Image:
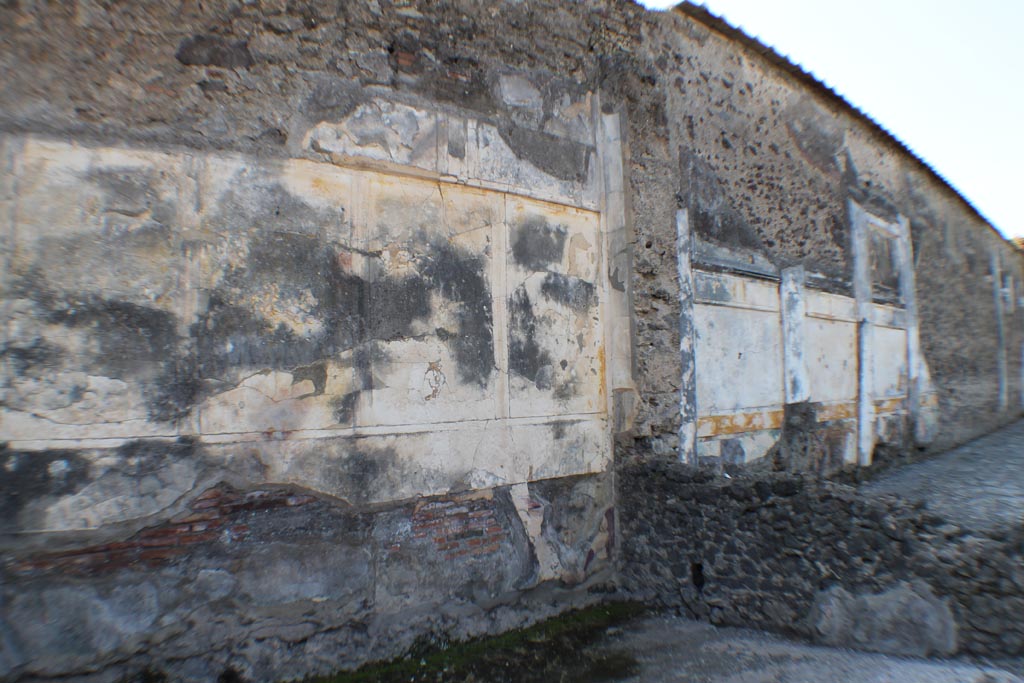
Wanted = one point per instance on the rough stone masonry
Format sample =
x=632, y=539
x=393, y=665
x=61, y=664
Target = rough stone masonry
x=324, y=323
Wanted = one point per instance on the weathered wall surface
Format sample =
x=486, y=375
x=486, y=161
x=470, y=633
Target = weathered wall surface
x=819, y=559
x=428, y=332
x=773, y=175
x=270, y=581
x=370, y=293
x=313, y=359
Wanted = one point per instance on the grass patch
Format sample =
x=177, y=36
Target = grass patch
x=551, y=651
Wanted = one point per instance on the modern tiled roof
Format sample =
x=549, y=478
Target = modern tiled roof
x=701, y=14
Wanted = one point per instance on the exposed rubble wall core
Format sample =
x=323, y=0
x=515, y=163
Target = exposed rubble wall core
x=325, y=322
x=820, y=559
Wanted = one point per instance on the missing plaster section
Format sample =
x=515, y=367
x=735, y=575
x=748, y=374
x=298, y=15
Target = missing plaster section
x=564, y=159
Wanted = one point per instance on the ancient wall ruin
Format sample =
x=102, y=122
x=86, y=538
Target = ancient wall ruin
x=324, y=322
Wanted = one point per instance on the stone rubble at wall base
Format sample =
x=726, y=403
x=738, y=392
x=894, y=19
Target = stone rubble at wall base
x=817, y=559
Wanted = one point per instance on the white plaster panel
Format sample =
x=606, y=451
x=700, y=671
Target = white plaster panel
x=739, y=359
x=305, y=304
x=889, y=316
x=447, y=458
x=890, y=366
x=93, y=290
x=732, y=290
x=556, y=347
x=270, y=356
x=446, y=369
x=831, y=359
x=831, y=306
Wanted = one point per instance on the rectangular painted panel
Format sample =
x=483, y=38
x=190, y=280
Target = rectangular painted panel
x=556, y=353
x=739, y=359
x=831, y=306
x=95, y=293
x=250, y=304
x=435, y=263
x=831, y=358
x=890, y=367
x=732, y=290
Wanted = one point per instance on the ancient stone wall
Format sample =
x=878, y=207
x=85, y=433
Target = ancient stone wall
x=314, y=356
x=369, y=293
x=820, y=560
x=778, y=176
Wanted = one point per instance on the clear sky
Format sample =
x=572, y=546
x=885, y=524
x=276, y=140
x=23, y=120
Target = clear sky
x=946, y=77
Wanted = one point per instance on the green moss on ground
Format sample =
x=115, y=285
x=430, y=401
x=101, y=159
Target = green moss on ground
x=553, y=650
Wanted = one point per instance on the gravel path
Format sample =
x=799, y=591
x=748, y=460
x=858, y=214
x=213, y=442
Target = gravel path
x=979, y=485
x=678, y=650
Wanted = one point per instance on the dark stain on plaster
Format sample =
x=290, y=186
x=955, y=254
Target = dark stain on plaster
x=526, y=357
x=536, y=244
x=577, y=294
x=207, y=50
x=559, y=430
x=298, y=275
x=733, y=452
x=129, y=342
x=566, y=389
x=344, y=407
x=129, y=335
x=712, y=288
x=461, y=277
x=394, y=303
x=31, y=359
x=456, y=141
x=345, y=310
x=31, y=475
x=132, y=193
x=558, y=157
x=254, y=203
x=142, y=457
x=365, y=471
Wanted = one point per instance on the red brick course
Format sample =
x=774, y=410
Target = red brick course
x=214, y=514
x=459, y=527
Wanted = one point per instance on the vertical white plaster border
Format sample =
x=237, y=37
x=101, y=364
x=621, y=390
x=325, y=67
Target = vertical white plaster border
x=916, y=372
x=687, y=348
x=499, y=307
x=190, y=217
x=1001, y=364
x=10, y=158
x=793, y=308
x=617, y=268
x=861, y=240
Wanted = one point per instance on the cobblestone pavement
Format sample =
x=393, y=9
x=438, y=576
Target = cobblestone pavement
x=979, y=485
x=676, y=650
